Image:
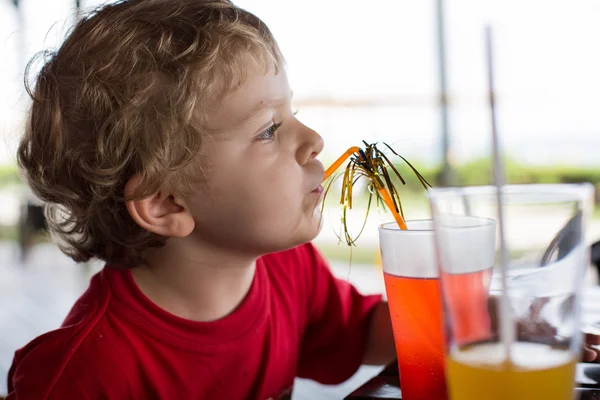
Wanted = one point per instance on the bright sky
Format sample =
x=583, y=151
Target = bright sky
x=546, y=62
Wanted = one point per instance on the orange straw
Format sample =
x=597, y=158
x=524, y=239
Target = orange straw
x=340, y=160
x=388, y=201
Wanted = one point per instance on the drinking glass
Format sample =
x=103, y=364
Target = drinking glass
x=413, y=290
x=531, y=340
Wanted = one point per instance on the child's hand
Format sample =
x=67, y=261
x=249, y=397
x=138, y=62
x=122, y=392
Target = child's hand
x=591, y=350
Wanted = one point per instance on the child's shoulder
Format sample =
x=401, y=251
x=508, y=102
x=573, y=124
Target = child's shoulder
x=41, y=368
x=40, y=365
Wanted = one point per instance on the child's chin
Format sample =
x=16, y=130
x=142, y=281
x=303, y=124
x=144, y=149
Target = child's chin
x=313, y=235
x=319, y=228
x=306, y=235
x=309, y=237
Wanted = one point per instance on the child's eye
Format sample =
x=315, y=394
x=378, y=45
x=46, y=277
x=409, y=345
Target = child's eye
x=269, y=133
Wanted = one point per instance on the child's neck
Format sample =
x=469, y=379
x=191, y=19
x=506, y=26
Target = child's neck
x=195, y=283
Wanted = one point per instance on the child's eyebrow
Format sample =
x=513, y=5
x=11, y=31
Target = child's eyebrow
x=271, y=103
x=263, y=105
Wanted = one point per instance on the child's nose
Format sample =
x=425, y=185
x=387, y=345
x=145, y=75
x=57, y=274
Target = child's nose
x=311, y=144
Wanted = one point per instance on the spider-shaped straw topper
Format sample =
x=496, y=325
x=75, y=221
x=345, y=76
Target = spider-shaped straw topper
x=373, y=164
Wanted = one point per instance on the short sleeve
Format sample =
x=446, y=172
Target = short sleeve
x=334, y=341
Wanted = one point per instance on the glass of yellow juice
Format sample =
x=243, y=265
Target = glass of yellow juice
x=529, y=344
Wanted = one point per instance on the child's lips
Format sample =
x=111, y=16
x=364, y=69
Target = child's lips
x=318, y=190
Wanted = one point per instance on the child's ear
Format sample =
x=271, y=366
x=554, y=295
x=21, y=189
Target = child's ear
x=161, y=213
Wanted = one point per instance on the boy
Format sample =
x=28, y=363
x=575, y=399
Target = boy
x=162, y=138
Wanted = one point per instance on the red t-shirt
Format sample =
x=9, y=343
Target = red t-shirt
x=296, y=320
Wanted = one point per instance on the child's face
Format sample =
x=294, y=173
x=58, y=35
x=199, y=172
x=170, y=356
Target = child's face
x=263, y=178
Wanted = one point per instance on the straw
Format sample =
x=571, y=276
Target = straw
x=374, y=176
x=388, y=201
x=339, y=161
x=506, y=331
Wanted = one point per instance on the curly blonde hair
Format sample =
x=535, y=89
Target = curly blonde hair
x=124, y=95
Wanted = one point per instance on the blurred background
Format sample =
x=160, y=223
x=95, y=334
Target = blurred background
x=405, y=72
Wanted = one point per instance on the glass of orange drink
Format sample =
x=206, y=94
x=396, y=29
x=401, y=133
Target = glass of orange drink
x=530, y=343
x=412, y=283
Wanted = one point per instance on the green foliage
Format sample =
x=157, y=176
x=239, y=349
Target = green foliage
x=9, y=175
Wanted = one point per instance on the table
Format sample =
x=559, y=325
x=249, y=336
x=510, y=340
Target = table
x=386, y=385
